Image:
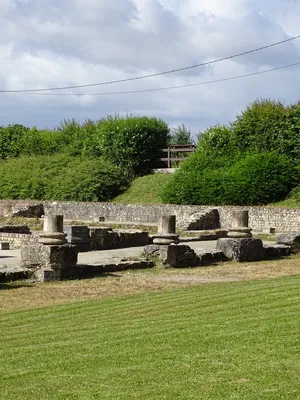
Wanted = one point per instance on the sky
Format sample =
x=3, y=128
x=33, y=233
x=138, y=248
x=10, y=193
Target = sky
x=57, y=43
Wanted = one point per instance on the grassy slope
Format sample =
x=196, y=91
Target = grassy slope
x=146, y=189
x=219, y=341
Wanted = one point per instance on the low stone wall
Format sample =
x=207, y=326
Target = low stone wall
x=16, y=240
x=260, y=218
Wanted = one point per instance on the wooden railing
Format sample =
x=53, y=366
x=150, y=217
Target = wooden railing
x=176, y=150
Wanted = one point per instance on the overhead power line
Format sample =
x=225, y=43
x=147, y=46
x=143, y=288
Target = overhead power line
x=169, y=87
x=155, y=74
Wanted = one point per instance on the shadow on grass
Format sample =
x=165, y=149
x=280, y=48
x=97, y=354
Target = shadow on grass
x=14, y=285
x=92, y=274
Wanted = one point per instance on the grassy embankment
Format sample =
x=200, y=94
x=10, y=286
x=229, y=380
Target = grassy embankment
x=148, y=189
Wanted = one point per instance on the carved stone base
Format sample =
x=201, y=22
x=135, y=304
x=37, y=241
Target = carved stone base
x=243, y=232
x=166, y=239
x=52, y=238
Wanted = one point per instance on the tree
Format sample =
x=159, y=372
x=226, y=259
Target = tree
x=181, y=135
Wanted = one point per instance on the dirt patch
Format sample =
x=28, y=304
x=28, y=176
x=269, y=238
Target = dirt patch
x=21, y=295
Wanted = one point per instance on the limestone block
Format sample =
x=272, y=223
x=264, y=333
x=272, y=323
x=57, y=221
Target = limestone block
x=54, y=257
x=276, y=251
x=241, y=250
x=103, y=238
x=47, y=275
x=178, y=256
x=291, y=239
x=152, y=250
x=132, y=238
x=79, y=235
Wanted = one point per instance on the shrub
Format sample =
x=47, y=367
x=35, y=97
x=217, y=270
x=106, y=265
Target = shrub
x=260, y=127
x=11, y=140
x=60, y=177
x=88, y=180
x=255, y=179
x=290, y=139
x=217, y=141
x=261, y=179
x=133, y=142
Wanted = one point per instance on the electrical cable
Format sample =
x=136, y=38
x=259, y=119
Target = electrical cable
x=166, y=88
x=154, y=74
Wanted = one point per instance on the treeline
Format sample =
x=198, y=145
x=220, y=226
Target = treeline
x=251, y=161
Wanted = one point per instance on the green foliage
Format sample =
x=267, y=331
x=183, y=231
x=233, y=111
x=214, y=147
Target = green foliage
x=255, y=179
x=261, y=179
x=264, y=126
x=133, y=142
x=181, y=135
x=11, y=140
x=217, y=141
x=260, y=127
x=290, y=135
x=60, y=177
x=88, y=180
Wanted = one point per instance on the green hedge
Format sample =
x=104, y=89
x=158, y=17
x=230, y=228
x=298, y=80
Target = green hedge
x=253, y=180
x=60, y=177
x=133, y=142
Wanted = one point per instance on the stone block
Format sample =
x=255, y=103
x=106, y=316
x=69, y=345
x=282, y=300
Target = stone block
x=79, y=235
x=276, y=251
x=291, y=239
x=133, y=238
x=152, y=250
x=4, y=246
x=178, y=256
x=47, y=275
x=54, y=257
x=241, y=250
x=103, y=238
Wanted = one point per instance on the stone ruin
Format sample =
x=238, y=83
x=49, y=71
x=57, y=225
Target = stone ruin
x=239, y=245
x=54, y=256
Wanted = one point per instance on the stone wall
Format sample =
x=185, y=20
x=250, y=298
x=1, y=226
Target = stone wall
x=260, y=218
x=21, y=208
x=17, y=239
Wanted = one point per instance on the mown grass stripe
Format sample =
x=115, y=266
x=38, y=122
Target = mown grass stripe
x=221, y=341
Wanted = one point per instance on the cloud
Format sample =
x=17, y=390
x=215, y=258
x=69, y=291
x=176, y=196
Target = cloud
x=65, y=43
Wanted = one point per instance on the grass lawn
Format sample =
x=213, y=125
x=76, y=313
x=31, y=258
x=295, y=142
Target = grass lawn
x=236, y=340
x=146, y=189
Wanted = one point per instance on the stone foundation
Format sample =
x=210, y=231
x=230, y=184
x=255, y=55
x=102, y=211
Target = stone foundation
x=49, y=262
